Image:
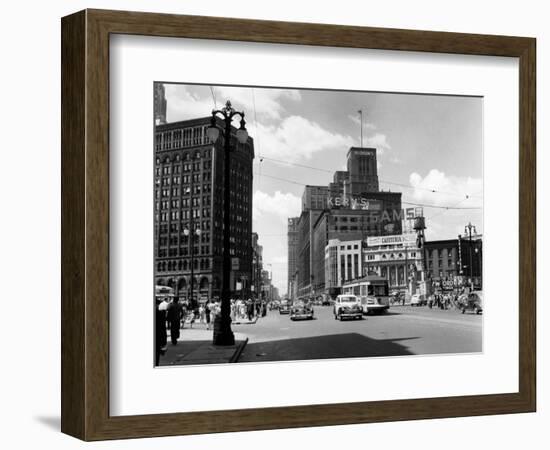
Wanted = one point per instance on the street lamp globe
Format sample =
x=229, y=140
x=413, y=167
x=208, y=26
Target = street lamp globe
x=242, y=134
x=186, y=231
x=212, y=131
x=198, y=231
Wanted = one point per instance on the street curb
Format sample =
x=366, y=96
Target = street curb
x=239, y=351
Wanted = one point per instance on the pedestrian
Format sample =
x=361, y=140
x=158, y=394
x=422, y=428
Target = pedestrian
x=173, y=316
x=249, y=310
x=191, y=316
x=202, y=314
x=207, y=312
x=214, y=311
x=242, y=310
x=233, y=310
x=160, y=330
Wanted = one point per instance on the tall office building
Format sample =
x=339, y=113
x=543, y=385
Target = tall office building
x=350, y=208
x=292, y=238
x=160, y=104
x=189, y=185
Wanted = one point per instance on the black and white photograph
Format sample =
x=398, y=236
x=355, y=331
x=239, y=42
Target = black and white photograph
x=299, y=224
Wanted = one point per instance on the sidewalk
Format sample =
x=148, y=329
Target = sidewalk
x=244, y=321
x=195, y=347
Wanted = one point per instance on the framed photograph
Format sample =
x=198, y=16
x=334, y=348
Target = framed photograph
x=273, y=225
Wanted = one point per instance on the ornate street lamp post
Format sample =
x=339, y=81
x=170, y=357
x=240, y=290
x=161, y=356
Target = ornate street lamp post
x=468, y=231
x=222, y=331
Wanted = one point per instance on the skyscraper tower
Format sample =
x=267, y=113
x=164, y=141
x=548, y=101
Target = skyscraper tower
x=160, y=104
x=362, y=170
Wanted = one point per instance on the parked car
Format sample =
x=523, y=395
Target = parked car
x=418, y=300
x=347, y=306
x=372, y=305
x=471, y=302
x=301, y=310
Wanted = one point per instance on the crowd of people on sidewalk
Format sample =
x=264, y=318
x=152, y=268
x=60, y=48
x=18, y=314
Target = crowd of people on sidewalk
x=173, y=315
x=442, y=301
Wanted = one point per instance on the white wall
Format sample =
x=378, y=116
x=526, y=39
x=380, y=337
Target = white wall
x=30, y=231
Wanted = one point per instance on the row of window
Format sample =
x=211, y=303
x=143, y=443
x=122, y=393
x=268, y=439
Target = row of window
x=177, y=226
x=183, y=265
x=186, y=190
x=183, y=215
x=185, y=203
x=183, y=251
x=185, y=167
x=185, y=137
x=372, y=257
x=185, y=179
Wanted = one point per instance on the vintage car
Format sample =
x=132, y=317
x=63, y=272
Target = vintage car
x=284, y=308
x=418, y=300
x=347, y=306
x=374, y=305
x=301, y=310
x=471, y=302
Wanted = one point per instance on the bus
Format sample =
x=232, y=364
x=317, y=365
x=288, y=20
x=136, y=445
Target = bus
x=373, y=292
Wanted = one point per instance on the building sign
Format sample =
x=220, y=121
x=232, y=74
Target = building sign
x=403, y=239
x=354, y=203
x=375, y=208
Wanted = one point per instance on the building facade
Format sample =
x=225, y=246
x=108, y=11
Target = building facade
x=189, y=185
x=396, y=258
x=292, y=242
x=257, y=266
x=350, y=208
x=343, y=262
x=160, y=104
x=455, y=262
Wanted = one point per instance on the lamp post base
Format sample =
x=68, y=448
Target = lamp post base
x=222, y=332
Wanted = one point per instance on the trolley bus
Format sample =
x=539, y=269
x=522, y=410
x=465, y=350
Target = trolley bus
x=373, y=292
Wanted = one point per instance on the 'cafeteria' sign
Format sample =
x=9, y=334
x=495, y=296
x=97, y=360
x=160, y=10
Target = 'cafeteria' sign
x=389, y=240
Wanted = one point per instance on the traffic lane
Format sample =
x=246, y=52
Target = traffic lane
x=400, y=332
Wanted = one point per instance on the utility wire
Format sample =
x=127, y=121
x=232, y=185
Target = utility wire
x=433, y=191
x=425, y=205
x=213, y=97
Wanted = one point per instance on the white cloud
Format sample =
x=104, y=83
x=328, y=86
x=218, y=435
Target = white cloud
x=183, y=105
x=267, y=101
x=378, y=141
x=280, y=205
x=355, y=118
x=439, y=189
x=296, y=138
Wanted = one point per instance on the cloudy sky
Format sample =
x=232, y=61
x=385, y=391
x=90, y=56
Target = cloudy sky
x=429, y=148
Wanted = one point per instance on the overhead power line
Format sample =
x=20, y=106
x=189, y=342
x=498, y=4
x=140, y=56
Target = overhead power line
x=394, y=183
x=425, y=205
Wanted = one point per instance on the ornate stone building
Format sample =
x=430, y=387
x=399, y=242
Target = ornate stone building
x=189, y=183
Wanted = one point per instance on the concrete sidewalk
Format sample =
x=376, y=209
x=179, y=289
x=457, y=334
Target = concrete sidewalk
x=244, y=321
x=195, y=347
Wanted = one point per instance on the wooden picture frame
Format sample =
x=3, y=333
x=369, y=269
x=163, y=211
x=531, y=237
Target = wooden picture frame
x=85, y=224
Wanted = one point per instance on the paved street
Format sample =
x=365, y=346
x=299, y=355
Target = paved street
x=403, y=330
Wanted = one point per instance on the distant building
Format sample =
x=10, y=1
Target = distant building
x=343, y=262
x=160, y=104
x=455, y=261
x=257, y=265
x=314, y=197
x=292, y=242
x=350, y=208
x=395, y=258
x=189, y=185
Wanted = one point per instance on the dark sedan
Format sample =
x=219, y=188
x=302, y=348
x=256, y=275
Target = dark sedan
x=301, y=310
